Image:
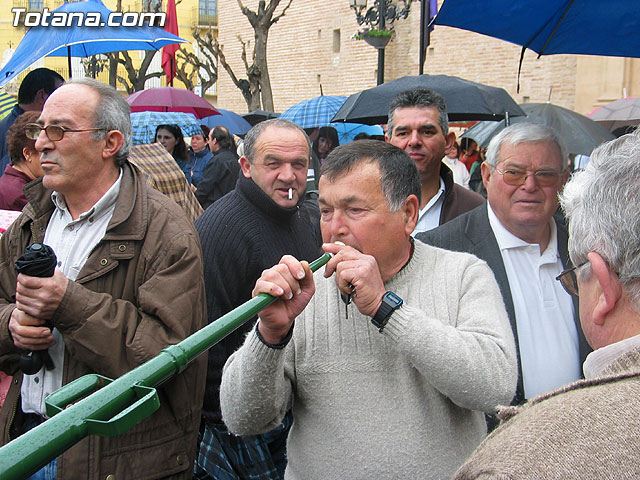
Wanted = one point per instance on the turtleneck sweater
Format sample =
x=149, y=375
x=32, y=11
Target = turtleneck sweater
x=242, y=234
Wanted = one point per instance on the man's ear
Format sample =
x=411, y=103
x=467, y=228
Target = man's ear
x=610, y=290
x=485, y=170
x=449, y=140
x=245, y=166
x=113, y=142
x=410, y=210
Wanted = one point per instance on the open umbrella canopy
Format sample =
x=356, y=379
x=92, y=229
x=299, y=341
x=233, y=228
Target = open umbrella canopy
x=170, y=99
x=619, y=114
x=231, y=120
x=315, y=112
x=580, y=133
x=82, y=41
x=592, y=27
x=348, y=131
x=257, y=116
x=144, y=124
x=465, y=100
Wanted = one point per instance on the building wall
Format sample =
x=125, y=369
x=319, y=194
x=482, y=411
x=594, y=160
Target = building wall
x=301, y=57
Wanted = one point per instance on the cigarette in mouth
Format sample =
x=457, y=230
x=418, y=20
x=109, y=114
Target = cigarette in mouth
x=291, y=194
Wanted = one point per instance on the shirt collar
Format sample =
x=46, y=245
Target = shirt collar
x=101, y=207
x=601, y=358
x=433, y=200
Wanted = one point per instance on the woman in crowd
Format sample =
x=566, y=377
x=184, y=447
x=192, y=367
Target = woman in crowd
x=171, y=138
x=327, y=141
x=24, y=166
x=199, y=156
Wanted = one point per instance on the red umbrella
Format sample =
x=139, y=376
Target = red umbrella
x=170, y=99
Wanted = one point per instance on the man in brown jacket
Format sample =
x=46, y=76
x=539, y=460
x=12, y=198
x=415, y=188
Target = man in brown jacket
x=128, y=283
x=418, y=124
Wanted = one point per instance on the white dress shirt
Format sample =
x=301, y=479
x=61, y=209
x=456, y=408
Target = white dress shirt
x=429, y=216
x=547, y=335
x=72, y=241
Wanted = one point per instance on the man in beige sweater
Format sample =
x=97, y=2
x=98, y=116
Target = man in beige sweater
x=392, y=382
x=588, y=429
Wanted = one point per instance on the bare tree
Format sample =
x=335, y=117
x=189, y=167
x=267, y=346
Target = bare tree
x=136, y=77
x=256, y=87
x=206, y=62
x=261, y=21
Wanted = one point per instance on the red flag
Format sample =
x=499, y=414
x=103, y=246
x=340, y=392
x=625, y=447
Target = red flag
x=169, y=52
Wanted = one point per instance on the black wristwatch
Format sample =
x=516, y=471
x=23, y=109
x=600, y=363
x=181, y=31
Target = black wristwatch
x=390, y=303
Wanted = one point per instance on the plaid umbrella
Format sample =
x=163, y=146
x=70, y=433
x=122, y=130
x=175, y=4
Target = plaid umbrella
x=316, y=112
x=144, y=124
x=6, y=104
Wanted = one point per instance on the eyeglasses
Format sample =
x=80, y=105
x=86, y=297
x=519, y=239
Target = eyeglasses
x=54, y=133
x=569, y=280
x=543, y=178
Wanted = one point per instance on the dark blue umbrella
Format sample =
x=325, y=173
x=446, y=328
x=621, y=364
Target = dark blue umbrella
x=592, y=27
x=231, y=120
x=82, y=41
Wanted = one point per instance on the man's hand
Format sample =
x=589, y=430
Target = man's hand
x=40, y=296
x=356, y=274
x=29, y=333
x=292, y=282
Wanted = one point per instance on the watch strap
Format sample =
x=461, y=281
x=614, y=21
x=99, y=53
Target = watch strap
x=390, y=303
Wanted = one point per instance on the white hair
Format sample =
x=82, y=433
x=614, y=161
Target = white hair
x=600, y=203
x=525, y=133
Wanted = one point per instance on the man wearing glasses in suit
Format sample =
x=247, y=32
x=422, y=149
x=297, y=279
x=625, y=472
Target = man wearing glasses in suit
x=525, y=245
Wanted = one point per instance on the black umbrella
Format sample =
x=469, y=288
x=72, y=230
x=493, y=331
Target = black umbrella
x=580, y=133
x=465, y=100
x=258, y=116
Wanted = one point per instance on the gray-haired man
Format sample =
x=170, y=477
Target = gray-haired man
x=590, y=428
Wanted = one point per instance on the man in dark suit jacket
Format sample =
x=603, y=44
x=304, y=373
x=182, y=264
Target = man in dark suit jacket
x=525, y=170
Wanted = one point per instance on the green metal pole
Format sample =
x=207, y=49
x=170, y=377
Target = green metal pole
x=112, y=407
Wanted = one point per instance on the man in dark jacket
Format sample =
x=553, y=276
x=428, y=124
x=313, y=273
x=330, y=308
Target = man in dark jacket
x=128, y=283
x=33, y=91
x=419, y=125
x=242, y=234
x=221, y=173
x=516, y=233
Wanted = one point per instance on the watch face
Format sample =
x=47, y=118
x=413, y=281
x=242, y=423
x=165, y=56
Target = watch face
x=393, y=298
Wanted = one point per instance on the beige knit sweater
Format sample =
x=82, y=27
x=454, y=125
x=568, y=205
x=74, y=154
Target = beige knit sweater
x=405, y=403
x=587, y=430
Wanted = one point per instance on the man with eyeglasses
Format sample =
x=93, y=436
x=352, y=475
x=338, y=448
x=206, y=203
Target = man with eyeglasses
x=590, y=428
x=128, y=283
x=516, y=233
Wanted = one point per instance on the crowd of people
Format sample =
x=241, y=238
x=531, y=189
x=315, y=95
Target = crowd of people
x=443, y=315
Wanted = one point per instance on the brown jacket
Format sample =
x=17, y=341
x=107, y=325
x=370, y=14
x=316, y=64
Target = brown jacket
x=140, y=290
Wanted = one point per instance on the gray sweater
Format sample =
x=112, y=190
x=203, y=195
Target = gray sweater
x=406, y=403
